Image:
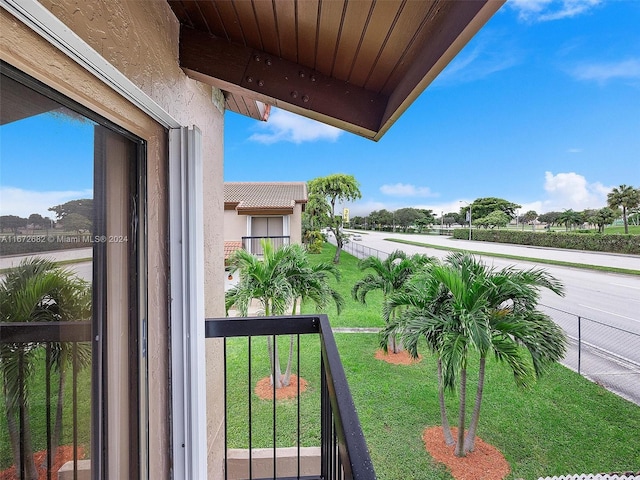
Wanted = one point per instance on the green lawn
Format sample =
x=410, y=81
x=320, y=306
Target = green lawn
x=37, y=409
x=563, y=425
x=633, y=230
x=353, y=315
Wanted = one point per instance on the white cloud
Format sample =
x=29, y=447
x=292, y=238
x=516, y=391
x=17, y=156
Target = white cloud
x=572, y=191
x=574, y=150
x=562, y=191
x=491, y=53
x=364, y=208
x=16, y=201
x=603, y=72
x=547, y=10
x=284, y=126
x=406, y=190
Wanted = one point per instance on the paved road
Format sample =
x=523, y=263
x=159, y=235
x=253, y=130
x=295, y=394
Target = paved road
x=58, y=256
x=605, y=306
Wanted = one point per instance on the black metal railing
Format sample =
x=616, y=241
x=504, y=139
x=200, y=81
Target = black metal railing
x=343, y=450
x=33, y=355
x=253, y=244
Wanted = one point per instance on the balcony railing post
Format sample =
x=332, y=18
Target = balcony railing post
x=48, y=407
x=325, y=427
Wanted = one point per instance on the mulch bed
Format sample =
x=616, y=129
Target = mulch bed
x=264, y=389
x=401, y=358
x=64, y=455
x=484, y=463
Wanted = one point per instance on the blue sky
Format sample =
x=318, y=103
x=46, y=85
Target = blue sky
x=541, y=108
x=47, y=160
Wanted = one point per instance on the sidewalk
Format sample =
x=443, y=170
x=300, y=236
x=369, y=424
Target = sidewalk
x=57, y=256
x=604, y=259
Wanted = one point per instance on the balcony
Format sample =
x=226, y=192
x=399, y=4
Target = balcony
x=44, y=410
x=318, y=437
x=342, y=452
x=252, y=244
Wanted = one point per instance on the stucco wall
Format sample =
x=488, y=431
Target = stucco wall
x=296, y=224
x=235, y=226
x=140, y=38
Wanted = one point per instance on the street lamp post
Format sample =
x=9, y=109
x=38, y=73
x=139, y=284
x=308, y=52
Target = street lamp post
x=461, y=201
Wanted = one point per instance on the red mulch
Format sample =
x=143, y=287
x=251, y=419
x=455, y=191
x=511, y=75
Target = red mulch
x=264, y=390
x=484, y=463
x=64, y=455
x=401, y=358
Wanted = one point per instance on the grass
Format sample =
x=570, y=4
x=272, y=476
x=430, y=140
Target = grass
x=37, y=409
x=619, y=230
x=600, y=268
x=353, y=314
x=286, y=410
x=563, y=425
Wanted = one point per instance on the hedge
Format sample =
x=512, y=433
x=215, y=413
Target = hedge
x=11, y=245
x=594, y=242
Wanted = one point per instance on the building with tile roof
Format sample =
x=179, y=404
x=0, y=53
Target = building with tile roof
x=257, y=210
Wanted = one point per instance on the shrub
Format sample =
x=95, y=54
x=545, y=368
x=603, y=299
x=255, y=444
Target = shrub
x=576, y=241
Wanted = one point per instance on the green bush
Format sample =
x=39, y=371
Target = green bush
x=314, y=241
x=575, y=241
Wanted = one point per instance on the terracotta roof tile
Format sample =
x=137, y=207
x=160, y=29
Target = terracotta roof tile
x=230, y=247
x=265, y=194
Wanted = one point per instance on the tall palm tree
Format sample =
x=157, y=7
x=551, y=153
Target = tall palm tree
x=310, y=282
x=36, y=291
x=263, y=279
x=626, y=197
x=460, y=307
x=73, y=303
x=278, y=280
x=388, y=275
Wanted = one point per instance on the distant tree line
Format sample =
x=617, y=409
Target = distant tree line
x=401, y=220
x=75, y=215
x=491, y=212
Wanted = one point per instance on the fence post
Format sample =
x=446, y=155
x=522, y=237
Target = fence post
x=579, y=342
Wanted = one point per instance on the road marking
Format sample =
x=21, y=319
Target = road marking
x=628, y=286
x=609, y=313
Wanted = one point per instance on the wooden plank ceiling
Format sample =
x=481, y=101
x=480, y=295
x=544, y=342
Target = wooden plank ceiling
x=354, y=64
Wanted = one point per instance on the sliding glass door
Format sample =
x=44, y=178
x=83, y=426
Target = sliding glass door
x=72, y=289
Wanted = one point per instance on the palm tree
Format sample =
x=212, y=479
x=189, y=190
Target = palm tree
x=310, y=282
x=277, y=280
x=569, y=218
x=263, y=279
x=36, y=291
x=74, y=303
x=626, y=197
x=460, y=307
x=388, y=275
x=422, y=301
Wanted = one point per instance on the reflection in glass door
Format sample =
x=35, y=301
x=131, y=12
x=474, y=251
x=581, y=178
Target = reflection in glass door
x=70, y=308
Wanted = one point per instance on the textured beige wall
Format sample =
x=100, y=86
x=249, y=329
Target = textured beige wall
x=235, y=226
x=140, y=38
x=296, y=224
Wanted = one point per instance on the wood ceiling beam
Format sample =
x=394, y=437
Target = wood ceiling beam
x=258, y=75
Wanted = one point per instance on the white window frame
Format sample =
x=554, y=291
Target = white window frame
x=186, y=239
